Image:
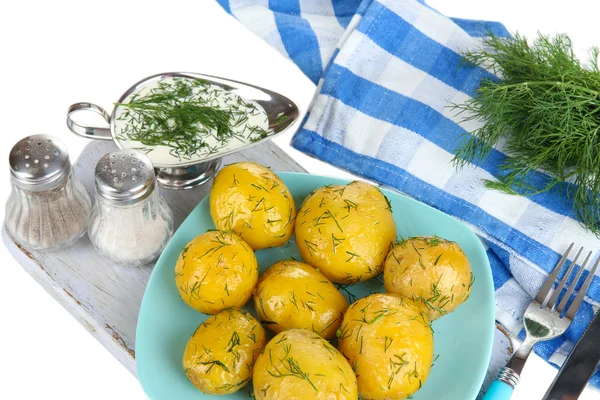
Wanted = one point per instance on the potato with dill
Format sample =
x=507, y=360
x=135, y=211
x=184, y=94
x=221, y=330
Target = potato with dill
x=292, y=294
x=299, y=364
x=389, y=343
x=220, y=355
x=346, y=231
x=432, y=271
x=252, y=201
x=215, y=271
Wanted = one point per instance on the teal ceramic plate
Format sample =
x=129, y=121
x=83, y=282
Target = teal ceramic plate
x=463, y=339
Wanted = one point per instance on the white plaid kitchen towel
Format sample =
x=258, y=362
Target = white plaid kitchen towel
x=386, y=73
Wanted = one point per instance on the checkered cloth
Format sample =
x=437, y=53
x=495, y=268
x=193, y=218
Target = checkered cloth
x=386, y=72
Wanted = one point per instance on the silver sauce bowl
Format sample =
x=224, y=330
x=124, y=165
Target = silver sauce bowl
x=184, y=174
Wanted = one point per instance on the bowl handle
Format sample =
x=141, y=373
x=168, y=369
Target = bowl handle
x=94, y=132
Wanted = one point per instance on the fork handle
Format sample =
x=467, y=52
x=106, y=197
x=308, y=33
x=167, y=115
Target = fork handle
x=498, y=390
x=502, y=388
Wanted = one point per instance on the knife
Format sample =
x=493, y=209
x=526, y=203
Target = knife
x=579, y=366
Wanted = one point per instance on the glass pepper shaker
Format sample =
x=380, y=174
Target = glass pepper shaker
x=48, y=208
x=130, y=222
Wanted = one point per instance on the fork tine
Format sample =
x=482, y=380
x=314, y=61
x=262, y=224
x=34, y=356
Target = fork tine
x=543, y=293
x=577, y=302
x=563, y=281
x=567, y=295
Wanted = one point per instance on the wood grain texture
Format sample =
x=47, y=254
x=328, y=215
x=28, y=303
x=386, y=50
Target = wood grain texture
x=103, y=297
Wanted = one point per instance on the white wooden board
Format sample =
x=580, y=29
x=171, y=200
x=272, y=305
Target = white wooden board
x=103, y=297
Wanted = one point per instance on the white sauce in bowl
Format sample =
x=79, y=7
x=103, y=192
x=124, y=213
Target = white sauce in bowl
x=249, y=124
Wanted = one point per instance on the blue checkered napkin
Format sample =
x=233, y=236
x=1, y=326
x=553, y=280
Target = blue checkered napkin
x=386, y=72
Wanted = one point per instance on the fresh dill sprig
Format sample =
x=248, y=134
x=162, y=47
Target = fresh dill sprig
x=546, y=111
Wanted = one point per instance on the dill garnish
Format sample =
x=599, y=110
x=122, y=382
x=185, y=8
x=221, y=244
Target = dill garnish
x=396, y=364
x=343, y=332
x=393, y=254
x=546, y=111
x=336, y=242
x=472, y=281
x=352, y=256
x=329, y=325
x=219, y=246
x=415, y=247
x=326, y=215
x=289, y=367
x=229, y=386
x=233, y=342
x=388, y=343
x=312, y=247
x=294, y=301
x=212, y=363
x=344, y=289
x=350, y=205
x=433, y=241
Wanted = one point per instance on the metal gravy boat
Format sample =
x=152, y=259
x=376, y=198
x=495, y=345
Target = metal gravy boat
x=185, y=174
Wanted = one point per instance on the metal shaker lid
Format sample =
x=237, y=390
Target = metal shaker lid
x=124, y=176
x=39, y=162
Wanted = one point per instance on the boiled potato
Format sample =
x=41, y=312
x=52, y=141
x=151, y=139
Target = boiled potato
x=346, y=231
x=292, y=294
x=299, y=364
x=253, y=202
x=432, y=271
x=389, y=343
x=220, y=355
x=215, y=271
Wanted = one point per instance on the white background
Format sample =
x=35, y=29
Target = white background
x=54, y=53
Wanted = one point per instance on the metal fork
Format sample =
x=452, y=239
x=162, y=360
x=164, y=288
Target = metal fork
x=543, y=321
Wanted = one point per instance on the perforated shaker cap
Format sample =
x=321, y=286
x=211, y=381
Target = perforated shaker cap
x=125, y=176
x=39, y=162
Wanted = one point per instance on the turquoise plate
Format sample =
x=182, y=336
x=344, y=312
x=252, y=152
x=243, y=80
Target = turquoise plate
x=463, y=339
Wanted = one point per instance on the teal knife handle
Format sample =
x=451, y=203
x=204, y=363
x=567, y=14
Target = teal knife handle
x=502, y=388
x=498, y=390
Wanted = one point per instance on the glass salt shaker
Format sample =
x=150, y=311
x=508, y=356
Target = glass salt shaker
x=130, y=222
x=48, y=208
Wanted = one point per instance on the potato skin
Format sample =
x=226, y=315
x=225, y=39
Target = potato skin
x=346, y=231
x=292, y=294
x=215, y=271
x=299, y=364
x=254, y=202
x=432, y=271
x=220, y=355
x=389, y=344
